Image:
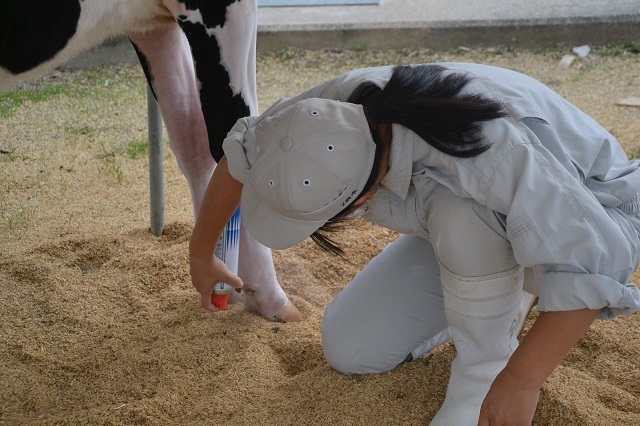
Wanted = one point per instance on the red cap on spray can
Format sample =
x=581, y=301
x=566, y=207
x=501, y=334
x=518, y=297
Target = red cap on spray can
x=220, y=296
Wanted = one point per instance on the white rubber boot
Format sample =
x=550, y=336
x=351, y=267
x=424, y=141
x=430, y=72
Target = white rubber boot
x=527, y=302
x=484, y=314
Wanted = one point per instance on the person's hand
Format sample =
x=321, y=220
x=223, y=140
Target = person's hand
x=514, y=394
x=511, y=401
x=206, y=273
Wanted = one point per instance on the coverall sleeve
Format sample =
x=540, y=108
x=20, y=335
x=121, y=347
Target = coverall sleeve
x=555, y=225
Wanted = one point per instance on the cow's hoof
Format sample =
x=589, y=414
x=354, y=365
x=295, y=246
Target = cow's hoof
x=289, y=313
x=275, y=308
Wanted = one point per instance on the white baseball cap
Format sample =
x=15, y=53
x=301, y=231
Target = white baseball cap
x=312, y=160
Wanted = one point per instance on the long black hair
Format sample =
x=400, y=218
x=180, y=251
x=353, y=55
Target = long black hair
x=428, y=100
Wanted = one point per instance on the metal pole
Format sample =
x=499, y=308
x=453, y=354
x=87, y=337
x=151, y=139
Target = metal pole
x=156, y=166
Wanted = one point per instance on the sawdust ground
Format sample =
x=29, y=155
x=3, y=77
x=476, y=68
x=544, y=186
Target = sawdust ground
x=99, y=324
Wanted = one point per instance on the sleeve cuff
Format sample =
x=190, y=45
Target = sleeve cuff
x=566, y=291
x=233, y=147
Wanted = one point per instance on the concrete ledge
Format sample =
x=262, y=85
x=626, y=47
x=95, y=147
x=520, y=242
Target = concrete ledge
x=442, y=35
x=535, y=33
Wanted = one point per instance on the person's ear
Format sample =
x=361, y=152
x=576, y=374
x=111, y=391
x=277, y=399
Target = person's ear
x=364, y=199
x=370, y=196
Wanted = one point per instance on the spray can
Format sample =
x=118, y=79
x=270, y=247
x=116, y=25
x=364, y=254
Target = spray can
x=227, y=250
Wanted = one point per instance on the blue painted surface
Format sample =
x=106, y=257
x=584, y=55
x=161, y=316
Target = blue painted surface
x=313, y=3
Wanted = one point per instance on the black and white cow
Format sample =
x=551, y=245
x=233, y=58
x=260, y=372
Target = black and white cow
x=199, y=58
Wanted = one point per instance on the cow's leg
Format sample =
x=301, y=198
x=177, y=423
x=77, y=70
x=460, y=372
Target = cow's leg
x=224, y=75
x=222, y=36
x=166, y=59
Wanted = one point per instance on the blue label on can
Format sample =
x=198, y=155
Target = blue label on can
x=229, y=245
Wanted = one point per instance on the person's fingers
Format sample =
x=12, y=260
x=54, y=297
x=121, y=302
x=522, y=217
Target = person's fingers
x=205, y=302
x=233, y=280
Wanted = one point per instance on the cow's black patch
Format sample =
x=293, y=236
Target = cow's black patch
x=220, y=107
x=33, y=31
x=145, y=67
x=213, y=13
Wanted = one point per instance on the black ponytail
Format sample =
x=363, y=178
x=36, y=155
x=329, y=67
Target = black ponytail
x=427, y=100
